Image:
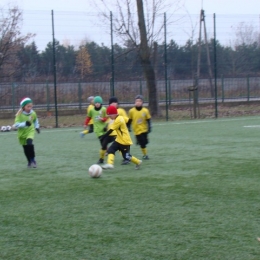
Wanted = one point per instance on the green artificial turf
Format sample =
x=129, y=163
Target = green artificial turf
x=198, y=197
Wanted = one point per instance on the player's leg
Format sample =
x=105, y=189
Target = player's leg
x=102, y=151
x=90, y=128
x=31, y=152
x=87, y=131
x=104, y=145
x=143, y=141
x=22, y=141
x=26, y=152
x=134, y=160
x=125, y=149
x=111, y=155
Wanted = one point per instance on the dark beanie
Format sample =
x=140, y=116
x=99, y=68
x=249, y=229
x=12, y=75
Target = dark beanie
x=112, y=100
x=139, y=97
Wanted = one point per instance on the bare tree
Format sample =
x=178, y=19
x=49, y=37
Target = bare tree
x=245, y=34
x=245, y=42
x=136, y=21
x=11, y=41
x=83, y=62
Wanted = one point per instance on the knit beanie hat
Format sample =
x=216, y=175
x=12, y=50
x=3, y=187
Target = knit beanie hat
x=98, y=99
x=139, y=97
x=111, y=110
x=90, y=98
x=25, y=101
x=112, y=100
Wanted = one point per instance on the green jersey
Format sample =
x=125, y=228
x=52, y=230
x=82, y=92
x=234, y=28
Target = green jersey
x=98, y=116
x=26, y=132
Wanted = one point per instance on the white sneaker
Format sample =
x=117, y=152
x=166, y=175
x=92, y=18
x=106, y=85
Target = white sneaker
x=108, y=166
x=137, y=166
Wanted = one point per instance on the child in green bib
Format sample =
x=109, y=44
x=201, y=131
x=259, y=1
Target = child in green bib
x=26, y=122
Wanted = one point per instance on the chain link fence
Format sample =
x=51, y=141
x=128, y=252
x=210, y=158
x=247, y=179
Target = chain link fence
x=76, y=28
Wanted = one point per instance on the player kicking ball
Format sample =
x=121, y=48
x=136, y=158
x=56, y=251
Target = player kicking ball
x=122, y=142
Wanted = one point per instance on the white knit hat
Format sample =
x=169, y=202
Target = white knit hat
x=25, y=101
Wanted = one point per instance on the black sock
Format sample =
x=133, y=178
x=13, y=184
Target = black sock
x=31, y=152
x=25, y=149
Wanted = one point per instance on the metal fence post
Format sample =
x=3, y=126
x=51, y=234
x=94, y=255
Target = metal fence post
x=141, y=88
x=112, y=82
x=47, y=96
x=169, y=92
x=222, y=88
x=79, y=95
x=13, y=96
x=248, y=88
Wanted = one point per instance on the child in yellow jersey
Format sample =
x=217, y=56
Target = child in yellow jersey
x=122, y=142
x=140, y=119
x=90, y=124
x=113, y=101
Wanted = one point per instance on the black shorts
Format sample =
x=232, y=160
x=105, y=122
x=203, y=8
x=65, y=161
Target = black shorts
x=124, y=149
x=107, y=140
x=142, y=139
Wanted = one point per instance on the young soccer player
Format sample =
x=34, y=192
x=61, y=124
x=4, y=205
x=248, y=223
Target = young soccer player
x=113, y=101
x=27, y=122
x=98, y=115
x=122, y=142
x=140, y=119
x=90, y=125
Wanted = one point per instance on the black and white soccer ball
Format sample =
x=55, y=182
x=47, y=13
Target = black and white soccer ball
x=8, y=128
x=3, y=128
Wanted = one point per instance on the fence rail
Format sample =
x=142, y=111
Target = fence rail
x=75, y=94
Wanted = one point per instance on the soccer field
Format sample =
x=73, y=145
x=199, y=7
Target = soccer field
x=198, y=197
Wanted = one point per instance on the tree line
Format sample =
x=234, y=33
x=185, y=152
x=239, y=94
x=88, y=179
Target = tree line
x=93, y=62
x=22, y=61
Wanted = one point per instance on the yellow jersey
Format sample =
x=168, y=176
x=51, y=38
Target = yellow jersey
x=122, y=135
x=121, y=112
x=88, y=109
x=139, y=120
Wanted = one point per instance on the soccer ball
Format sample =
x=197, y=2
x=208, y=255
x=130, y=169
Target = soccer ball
x=3, y=129
x=14, y=127
x=8, y=128
x=95, y=171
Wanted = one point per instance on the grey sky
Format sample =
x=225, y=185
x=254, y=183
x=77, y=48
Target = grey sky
x=211, y=6
x=76, y=20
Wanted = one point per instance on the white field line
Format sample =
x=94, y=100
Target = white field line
x=47, y=131
x=157, y=124
x=251, y=125
x=208, y=121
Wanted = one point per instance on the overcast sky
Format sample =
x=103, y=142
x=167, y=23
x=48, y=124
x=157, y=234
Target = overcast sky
x=76, y=20
x=211, y=6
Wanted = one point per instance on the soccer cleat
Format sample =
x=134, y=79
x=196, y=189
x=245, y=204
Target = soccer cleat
x=125, y=162
x=33, y=164
x=146, y=157
x=100, y=161
x=137, y=166
x=108, y=166
x=29, y=165
x=81, y=134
